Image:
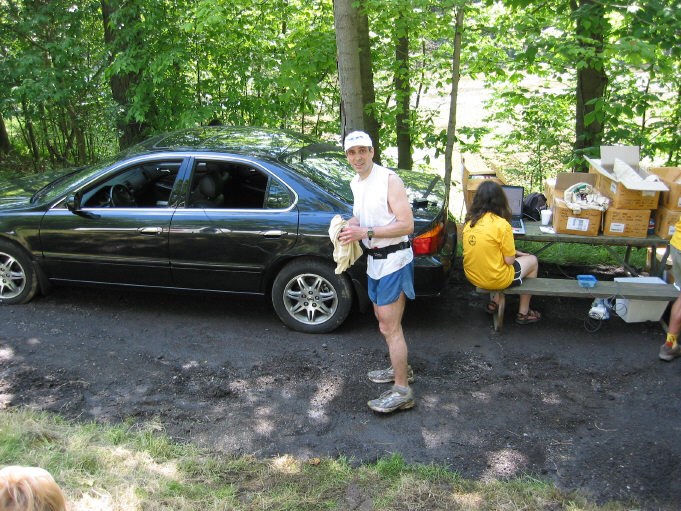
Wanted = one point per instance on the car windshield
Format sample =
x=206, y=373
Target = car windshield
x=71, y=179
x=327, y=169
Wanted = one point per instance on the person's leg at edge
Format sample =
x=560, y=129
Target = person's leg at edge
x=670, y=349
x=529, y=268
x=390, y=324
x=674, y=323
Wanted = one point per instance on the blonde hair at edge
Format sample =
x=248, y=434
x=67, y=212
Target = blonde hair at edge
x=29, y=489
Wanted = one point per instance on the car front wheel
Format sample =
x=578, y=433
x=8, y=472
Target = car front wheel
x=18, y=282
x=309, y=297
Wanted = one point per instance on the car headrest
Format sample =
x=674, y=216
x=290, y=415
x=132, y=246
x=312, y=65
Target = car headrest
x=210, y=186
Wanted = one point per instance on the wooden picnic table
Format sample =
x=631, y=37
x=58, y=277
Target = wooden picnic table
x=533, y=233
x=570, y=287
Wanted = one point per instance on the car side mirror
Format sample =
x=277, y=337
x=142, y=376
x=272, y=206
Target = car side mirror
x=73, y=202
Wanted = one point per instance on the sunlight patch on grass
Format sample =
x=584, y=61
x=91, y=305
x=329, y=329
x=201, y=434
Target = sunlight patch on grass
x=286, y=465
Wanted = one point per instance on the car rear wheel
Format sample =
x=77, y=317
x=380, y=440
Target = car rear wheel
x=309, y=297
x=18, y=282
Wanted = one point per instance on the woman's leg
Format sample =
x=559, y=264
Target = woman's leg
x=529, y=268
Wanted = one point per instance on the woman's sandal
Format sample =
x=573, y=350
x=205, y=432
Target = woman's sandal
x=531, y=316
x=492, y=307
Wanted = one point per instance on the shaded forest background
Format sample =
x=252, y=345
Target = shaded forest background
x=81, y=79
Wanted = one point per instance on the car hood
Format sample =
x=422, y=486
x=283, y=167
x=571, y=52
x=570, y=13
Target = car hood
x=18, y=190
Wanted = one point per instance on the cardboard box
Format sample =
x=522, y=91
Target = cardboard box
x=565, y=221
x=633, y=311
x=665, y=221
x=549, y=190
x=622, y=180
x=474, y=171
x=471, y=186
x=671, y=176
x=629, y=223
x=474, y=165
x=565, y=180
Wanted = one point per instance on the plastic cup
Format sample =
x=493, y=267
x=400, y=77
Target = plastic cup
x=546, y=216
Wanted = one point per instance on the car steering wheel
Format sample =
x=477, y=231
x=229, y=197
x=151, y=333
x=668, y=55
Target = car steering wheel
x=120, y=195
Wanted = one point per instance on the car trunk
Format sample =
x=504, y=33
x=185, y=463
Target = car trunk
x=426, y=193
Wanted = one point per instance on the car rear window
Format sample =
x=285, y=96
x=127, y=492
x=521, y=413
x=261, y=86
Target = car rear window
x=329, y=170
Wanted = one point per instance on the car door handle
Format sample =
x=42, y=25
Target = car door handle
x=150, y=230
x=274, y=234
x=214, y=230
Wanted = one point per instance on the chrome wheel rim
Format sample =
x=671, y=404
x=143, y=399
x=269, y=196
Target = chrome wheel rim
x=310, y=299
x=12, y=277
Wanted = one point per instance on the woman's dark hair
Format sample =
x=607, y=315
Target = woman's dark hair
x=488, y=198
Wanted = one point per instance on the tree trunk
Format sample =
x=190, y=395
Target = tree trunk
x=30, y=133
x=5, y=144
x=402, y=95
x=454, y=96
x=346, y=21
x=367, y=77
x=123, y=84
x=591, y=79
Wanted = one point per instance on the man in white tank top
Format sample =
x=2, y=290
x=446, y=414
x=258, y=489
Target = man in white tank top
x=383, y=220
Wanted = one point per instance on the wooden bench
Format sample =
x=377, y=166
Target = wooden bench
x=570, y=288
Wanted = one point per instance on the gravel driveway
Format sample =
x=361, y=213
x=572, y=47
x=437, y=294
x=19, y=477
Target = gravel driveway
x=595, y=412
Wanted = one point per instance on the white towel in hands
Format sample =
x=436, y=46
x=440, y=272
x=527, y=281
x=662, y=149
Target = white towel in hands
x=344, y=255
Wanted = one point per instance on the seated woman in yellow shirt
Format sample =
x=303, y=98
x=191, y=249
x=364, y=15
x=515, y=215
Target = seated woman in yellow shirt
x=490, y=259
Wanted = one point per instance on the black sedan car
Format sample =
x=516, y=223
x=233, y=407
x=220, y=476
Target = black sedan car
x=215, y=209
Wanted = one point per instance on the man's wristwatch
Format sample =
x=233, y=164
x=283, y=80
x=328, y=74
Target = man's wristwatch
x=370, y=232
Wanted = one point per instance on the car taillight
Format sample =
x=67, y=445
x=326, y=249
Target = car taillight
x=429, y=242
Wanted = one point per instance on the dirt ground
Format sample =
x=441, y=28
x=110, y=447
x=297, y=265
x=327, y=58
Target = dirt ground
x=591, y=411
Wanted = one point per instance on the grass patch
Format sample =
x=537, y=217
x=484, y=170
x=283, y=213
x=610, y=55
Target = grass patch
x=129, y=467
x=576, y=254
x=586, y=255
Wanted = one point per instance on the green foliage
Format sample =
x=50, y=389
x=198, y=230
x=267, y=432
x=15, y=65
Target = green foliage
x=180, y=63
x=537, y=142
x=644, y=104
x=50, y=80
x=632, y=44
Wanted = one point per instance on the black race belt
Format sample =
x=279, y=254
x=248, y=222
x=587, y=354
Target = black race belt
x=382, y=253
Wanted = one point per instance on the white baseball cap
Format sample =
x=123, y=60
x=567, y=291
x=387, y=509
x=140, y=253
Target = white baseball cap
x=357, y=138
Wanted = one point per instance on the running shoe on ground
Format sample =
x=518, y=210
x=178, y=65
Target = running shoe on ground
x=393, y=400
x=388, y=375
x=668, y=354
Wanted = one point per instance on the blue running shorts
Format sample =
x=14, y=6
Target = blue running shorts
x=386, y=290
x=517, y=272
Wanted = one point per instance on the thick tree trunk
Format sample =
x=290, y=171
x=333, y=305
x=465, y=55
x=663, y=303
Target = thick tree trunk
x=367, y=77
x=346, y=21
x=122, y=85
x=5, y=144
x=591, y=84
x=402, y=96
x=591, y=79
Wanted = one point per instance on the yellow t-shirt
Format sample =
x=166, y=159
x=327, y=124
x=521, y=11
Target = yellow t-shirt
x=484, y=247
x=676, y=237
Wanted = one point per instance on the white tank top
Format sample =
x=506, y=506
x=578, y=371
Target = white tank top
x=371, y=208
